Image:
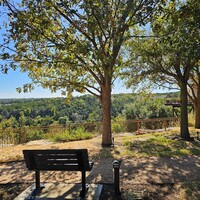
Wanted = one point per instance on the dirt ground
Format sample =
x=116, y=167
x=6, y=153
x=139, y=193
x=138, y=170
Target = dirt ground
x=145, y=178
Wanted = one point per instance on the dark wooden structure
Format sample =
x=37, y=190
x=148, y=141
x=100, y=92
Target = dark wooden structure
x=58, y=160
x=177, y=104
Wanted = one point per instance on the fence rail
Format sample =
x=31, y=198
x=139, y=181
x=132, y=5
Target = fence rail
x=13, y=136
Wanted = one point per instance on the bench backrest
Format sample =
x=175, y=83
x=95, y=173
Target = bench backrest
x=61, y=160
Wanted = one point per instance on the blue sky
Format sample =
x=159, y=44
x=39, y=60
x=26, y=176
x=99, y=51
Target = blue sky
x=9, y=82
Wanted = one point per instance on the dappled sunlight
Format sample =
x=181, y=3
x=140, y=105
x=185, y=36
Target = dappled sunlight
x=161, y=170
x=150, y=162
x=159, y=145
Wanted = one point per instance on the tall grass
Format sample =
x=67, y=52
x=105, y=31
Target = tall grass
x=73, y=135
x=35, y=135
x=191, y=119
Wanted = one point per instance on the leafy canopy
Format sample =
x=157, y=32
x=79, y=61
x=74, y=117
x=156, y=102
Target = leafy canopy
x=72, y=45
x=172, y=53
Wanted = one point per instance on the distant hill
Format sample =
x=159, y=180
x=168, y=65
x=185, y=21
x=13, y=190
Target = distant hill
x=45, y=111
x=20, y=100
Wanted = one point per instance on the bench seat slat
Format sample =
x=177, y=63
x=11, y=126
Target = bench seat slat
x=66, y=161
x=54, y=159
x=57, y=156
x=58, y=168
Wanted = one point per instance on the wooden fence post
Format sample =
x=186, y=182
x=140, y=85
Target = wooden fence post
x=23, y=135
x=138, y=127
x=165, y=124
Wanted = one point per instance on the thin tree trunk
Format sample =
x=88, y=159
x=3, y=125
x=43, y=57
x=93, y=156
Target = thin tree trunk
x=106, y=111
x=184, y=131
x=197, y=116
x=197, y=108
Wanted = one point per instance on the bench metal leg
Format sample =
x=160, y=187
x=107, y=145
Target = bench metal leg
x=37, y=179
x=83, y=191
x=37, y=189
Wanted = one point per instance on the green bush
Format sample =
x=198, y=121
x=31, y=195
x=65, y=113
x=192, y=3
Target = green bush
x=76, y=134
x=116, y=128
x=144, y=108
x=8, y=136
x=34, y=135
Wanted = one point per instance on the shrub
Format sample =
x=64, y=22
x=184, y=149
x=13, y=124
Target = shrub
x=191, y=119
x=34, y=135
x=76, y=134
x=117, y=128
x=8, y=136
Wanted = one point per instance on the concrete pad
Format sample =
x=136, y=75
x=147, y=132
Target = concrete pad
x=59, y=191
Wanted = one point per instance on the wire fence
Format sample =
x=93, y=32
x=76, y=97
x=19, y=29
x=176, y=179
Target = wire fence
x=13, y=136
x=147, y=124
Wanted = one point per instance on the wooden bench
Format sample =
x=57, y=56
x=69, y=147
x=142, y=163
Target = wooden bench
x=58, y=160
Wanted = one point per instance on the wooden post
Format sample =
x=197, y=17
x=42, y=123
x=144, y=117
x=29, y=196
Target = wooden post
x=173, y=112
x=24, y=135
x=138, y=127
x=165, y=124
x=69, y=127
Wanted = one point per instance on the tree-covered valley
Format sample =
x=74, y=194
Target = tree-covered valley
x=44, y=112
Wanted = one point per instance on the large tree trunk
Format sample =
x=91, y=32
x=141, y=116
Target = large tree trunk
x=106, y=112
x=184, y=131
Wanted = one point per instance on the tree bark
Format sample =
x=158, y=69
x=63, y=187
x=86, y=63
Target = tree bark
x=197, y=115
x=197, y=108
x=106, y=112
x=184, y=131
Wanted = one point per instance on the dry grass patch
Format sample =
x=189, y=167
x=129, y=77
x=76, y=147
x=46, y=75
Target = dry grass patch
x=160, y=144
x=126, y=144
